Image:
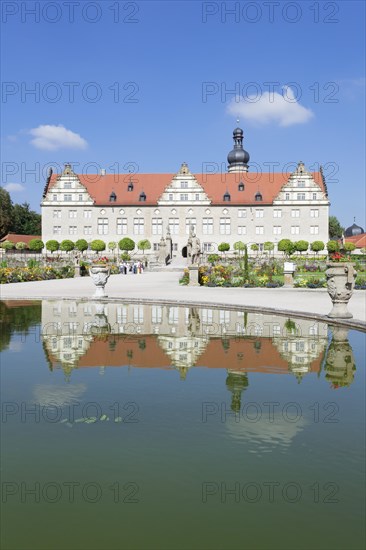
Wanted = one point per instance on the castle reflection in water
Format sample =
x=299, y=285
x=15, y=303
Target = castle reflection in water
x=91, y=334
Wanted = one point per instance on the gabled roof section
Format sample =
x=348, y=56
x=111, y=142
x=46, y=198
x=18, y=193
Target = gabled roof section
x=211, y=186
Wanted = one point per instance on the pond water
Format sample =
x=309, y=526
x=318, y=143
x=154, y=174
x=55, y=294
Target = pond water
x=158, y=427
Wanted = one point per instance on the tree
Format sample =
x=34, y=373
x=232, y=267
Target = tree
x=52, y=245
x=317, y=246
x=126, y=244
x=335, y=228
x=112, y=245
x=254, y=247
x=81, y=245
x=301, y=246
x=223, y=247
x=239, y=246
x=349, y=247
x=286, y=246
x=25, y=221
x=268, y=246
x=143, y=245
x=7, y=245
x=67, y=245
x=97, y=245
x=20, y=245
x=36, y=245
x=363, y=250
x=333, y=246
x=6, y=207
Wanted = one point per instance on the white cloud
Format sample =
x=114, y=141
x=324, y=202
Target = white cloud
x=282, y=109
x=14, y=187
x=52, y=138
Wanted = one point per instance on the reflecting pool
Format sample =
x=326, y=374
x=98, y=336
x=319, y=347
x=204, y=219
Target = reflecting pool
x=130, y=426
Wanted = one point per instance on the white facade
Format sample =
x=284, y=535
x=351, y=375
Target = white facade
x=299, y=209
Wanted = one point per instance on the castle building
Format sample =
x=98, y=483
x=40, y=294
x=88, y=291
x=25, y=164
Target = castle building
x=223, y=207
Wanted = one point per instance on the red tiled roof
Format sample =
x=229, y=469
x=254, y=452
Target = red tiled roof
x=215, y=185
x=358, y=240
x=15, y=238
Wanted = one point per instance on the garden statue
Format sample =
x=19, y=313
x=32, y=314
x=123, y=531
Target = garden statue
x=193, y=247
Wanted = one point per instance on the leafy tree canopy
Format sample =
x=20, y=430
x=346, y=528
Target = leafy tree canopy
x=335, y=228
x=126, y=244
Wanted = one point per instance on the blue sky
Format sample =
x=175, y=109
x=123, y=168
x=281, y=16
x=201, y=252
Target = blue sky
x=144, y=86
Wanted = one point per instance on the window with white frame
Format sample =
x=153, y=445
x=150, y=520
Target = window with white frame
x=184, y=184
x=207, y=247
x=54, y=197
x=156, y=314
x=277, y=213
x=300, y=184
x=184, y=196
x=277, y=230
x=138, y=226
x=121, y=315
x=67, y=198
x=242, y=229
x=197, y=196
x=87, y=229
x=155, y=247
x=72, y=229
x=138, y=314
x=121, y=226
x=259, y=213
x=157, y=226
x=295, y=213
x=72, y=213
x=259, y=230
x=173, y=316
x=174, y=226
x=57, y=229
x=80, y=197
x=87, y=214
x=287, y=196
x=67, y=185
x=224, y=317
x=314, y=213
x=207, y=226
x=57, y=213
x=314, y=196
x=170, y=196
x=102, y=226
x=242, y=213
x=189, y=222
x=225, y=226
x=314, y=230
x=295, y=230
x=300, y=196
x=207, y=316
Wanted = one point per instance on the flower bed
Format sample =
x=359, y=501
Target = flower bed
x=26, y=274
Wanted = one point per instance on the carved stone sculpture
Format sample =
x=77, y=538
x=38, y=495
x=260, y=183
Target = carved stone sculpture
x=340, y=284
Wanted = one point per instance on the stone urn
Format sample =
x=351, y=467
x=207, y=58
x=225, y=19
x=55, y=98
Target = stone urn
x=100, y=274
x=340, y=284
x=339, y=363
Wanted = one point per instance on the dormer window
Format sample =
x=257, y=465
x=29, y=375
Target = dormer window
x=112, y=197
x=142, y=197
x=227, y=197
x=130, y=186
x=241, y=186
x=258, y=197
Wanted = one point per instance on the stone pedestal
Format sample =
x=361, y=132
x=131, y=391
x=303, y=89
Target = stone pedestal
x=288, y=272
x=193, y=275
x=340, y=284
x=77, y=272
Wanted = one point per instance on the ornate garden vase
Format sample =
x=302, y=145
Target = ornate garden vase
x=340, y=284
x=100, y=274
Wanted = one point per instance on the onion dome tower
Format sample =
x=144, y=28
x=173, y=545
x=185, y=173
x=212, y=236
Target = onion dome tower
x=353, y=230
x=238, y=158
